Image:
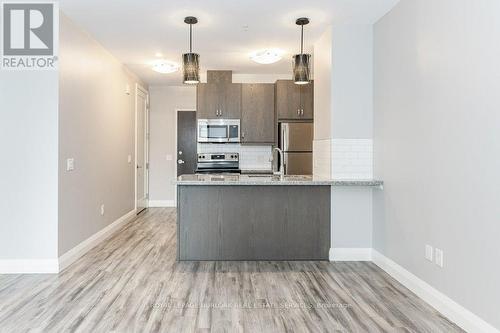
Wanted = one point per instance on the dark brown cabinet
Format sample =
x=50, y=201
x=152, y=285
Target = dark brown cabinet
x=307, y=101
x=207, y=103
x=257, y=113
x=294, y=101
x=218, y=100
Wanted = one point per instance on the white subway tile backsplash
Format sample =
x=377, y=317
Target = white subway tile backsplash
x=352, y=158
x=251, y=157
x=322, y=158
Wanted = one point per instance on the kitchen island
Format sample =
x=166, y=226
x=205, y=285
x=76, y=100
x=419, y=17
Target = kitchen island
x=255, y=217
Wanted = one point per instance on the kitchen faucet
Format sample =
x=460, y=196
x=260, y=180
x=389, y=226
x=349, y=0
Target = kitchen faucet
x=280, y=171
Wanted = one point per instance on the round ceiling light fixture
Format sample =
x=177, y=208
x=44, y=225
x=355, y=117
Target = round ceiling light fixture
x=165, y=67
x=191, y=61
x=301, y=62
x=267, y=56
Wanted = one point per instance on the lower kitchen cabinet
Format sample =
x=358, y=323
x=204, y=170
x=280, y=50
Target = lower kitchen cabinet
x=257, y=113
x=230, y=222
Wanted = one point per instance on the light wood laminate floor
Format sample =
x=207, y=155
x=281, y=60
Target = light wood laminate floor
x=132, y=283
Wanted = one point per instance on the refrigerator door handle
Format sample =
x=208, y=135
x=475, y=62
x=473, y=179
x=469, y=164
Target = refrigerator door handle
x=284, y=137
x=285, y=158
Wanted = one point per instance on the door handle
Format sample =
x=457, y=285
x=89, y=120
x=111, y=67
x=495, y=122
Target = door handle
x=180, y=161
x=139, y=167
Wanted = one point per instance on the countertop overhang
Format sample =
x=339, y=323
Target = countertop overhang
x=258, y=180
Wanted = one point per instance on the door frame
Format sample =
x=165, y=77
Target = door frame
x=140, y=88
x=176, y=148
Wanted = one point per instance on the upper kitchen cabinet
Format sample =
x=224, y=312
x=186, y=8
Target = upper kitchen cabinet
x=307, y=100
x=219, y=98
x=257, y=113
x=207, y=101
x=229, y=100
x=294, y=101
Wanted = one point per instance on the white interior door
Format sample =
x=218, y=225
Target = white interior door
x=142, y=135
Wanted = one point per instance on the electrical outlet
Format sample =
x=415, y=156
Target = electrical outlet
x=70, y=164
x=429, y=253
x=102, y=209
x=439, y=257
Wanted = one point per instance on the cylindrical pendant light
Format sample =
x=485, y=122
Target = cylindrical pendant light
x=301, y=62
x=191, y=61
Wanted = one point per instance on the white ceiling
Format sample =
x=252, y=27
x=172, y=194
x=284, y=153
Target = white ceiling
x=134, y=31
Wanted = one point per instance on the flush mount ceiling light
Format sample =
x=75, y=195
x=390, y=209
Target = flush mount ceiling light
x=191, y=61
x=165, y=67
x=301, y=62
x=267, y=56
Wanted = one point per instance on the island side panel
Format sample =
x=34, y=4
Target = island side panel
x=199, y=222
x=254, y=222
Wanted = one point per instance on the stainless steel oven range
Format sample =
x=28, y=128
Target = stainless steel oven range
x=218, y=163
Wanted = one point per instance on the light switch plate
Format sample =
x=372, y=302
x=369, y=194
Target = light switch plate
x=439, y=257
x=129, y=159
x=70, y=164
x=429, y=253
x=102, y=209
x=170, y=157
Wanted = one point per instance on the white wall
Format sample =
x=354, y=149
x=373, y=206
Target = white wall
x=164, y=100
x=437, y=145
x=352, y=81
x=322, y=104
x=97, y=120
x=28, y=199
x=343, y=100
x=343, y=129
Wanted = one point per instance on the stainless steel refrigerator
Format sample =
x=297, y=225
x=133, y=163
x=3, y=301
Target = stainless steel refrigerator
x=295, y=139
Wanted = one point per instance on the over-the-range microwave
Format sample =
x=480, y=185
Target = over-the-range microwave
x=218, y=130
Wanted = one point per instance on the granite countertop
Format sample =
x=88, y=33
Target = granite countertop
x=235, y=179
x=257, y=172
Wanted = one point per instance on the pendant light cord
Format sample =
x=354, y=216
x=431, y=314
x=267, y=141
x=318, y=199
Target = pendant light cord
x=301, y=39
x=190, y=38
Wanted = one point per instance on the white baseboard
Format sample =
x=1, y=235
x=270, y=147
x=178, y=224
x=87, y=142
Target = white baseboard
x=161, y=203
x=35, y=266
x=72, y=255
x=350, y=254
x=449, y=308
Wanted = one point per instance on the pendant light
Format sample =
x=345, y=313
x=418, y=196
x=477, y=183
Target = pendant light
x=191, y=61
x=301, y=62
